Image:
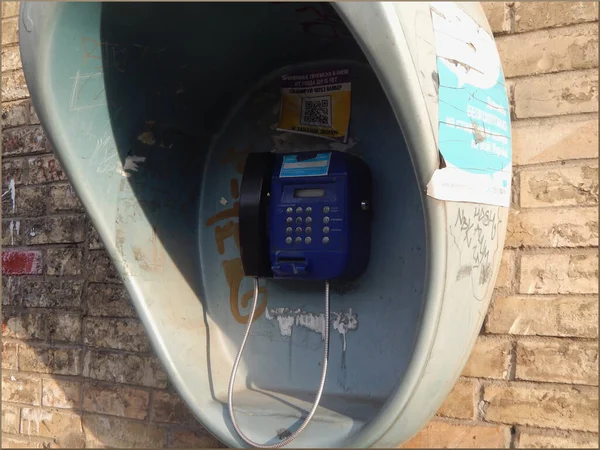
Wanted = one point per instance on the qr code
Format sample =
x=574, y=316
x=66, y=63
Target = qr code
x=316, y=111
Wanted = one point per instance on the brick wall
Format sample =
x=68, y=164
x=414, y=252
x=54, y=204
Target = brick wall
x=77, y=367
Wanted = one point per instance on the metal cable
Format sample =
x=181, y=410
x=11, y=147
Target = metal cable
x=239, y=357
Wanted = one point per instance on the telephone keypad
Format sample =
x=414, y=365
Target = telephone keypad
x=288, y=240
x=289, y=210
x=289, y=220
x=308, y=240
x=308, y=210
x=288, y=230
x=299, y=210
x=326, y=219
x=298, y=230
x=308, y=230
x=299, y=221
x=308, y=220
x=298, y=240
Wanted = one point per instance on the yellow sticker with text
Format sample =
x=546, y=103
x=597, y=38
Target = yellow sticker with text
x=316, y=103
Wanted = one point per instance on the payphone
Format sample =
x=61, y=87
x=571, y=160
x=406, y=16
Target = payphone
x=302, y=216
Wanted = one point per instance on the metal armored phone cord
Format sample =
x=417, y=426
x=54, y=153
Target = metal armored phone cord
x=239, y=357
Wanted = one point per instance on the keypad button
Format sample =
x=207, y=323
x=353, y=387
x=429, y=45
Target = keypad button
x=325, y=209
x=308, y=230
x=298, y=240
x=298, y=230
x=308, y=220
x=288, y=240
x=308, y=240
x=308, y=210
x=289, y=220
x=288, y=230
x=325, y=219
x=289, y=210
x=325, y=240
x=325, y=230
x=298, y=219
x=299, y=210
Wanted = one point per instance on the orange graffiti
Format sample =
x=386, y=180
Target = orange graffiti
x=234, y=273
x=228, y=230
x=233, y=269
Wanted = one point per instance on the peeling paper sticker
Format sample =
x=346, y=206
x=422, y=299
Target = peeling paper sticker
x=474, y=116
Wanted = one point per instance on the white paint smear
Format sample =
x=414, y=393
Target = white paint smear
x=287, y=319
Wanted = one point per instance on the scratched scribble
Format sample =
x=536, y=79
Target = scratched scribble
x=475, y=234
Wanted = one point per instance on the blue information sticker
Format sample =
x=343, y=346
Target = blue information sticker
x=474, y=115
x=297, y=166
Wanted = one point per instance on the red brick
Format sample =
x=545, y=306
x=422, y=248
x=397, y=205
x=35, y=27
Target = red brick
x=45, y=169
x=101, y=268
x=58, y=361
x=120, y=401
x=12, y=233
x=64, y=261
x=21, y=262
x=12, y=288
x=24, y=140
x=64, y=294
x=116, y=333
x=62, y=198
x=29, y=201
x=109, y=300
x=14, y=114
x=12, y=172
x=129, y=369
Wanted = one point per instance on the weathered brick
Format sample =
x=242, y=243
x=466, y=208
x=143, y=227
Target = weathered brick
x=43, y=326
x=446, y=435
x=498, y=16
x=553, y=228
x=63, y=294
x=193, y=439
x=24, y=326
x=14, y=86
x=10, y=31
x=12, y=235
x=9, y=356
x=572, y=316
x=546, y=51
x=169, y=408
x=489, y=359
x=558, y=360
x=29, y=201
x=553, y=439
x=547, y=407
x=101, y=268
x=10, y=419
x=118, y=334
x=58, y=361
x=556, y=94
x=22, y=441
x=57, y=393
x=574, y=273
x=62, y=198
x=55, y=230
x=64, y=427
x=116, y=401
x=24, y=140
x=11, y=291
x=460, y=403
x=108, y=300
x=129, y=369
x=10, y=9
x=45, y=169
x=103, y=431
x=554, y=139
x=64, y=261
x=33, y=117
x=21, y=262
x=506, y=274
x=12, y=173
x=21, y=388
x=14, y=114
x=11, y=58
x=536, y=15
x=559, y=186
x=94, y=241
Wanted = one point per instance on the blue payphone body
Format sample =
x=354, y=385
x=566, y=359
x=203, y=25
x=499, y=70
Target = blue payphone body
x=305, y=216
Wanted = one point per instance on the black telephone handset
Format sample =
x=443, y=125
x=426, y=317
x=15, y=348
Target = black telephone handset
x=253, y=214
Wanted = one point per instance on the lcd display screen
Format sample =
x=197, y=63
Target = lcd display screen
x=309, y=193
